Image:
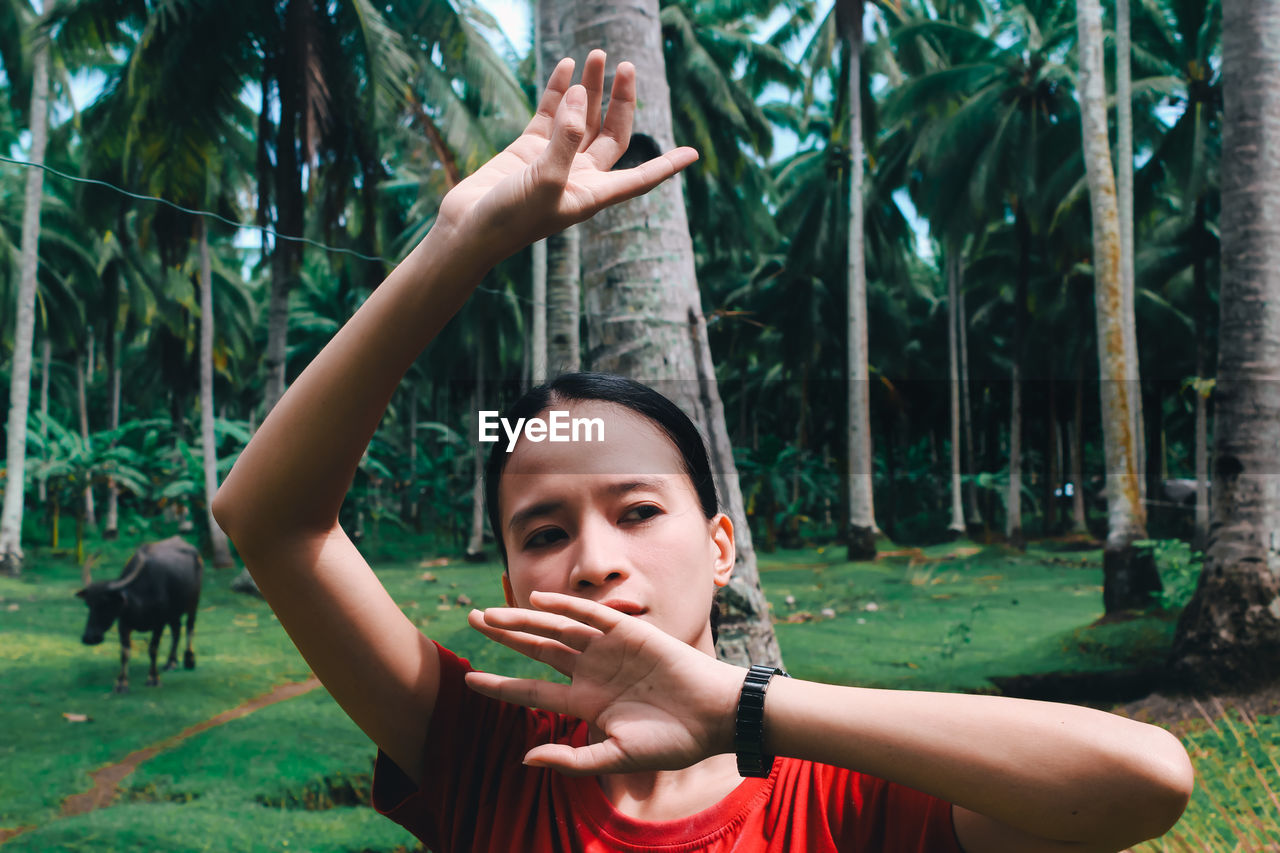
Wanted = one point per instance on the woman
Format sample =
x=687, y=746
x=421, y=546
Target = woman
x=614, y=550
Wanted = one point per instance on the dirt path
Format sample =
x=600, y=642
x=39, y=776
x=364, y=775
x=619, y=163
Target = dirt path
x=106, y=780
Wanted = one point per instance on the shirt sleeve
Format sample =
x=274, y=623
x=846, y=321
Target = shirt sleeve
x=875, y=814
x=474, y=750
x=868, y=813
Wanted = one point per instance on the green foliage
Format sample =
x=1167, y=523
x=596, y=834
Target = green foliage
x=784, y=487
x=1180, y=568
x=1234, y=804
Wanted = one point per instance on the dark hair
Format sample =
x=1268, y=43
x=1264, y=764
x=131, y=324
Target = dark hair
x=637, y=397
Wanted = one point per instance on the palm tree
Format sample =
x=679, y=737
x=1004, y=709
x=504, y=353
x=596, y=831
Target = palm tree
x=991, y=113
x=1124, y=587
x=557, y=289
x=1179, y=57
x=861, y=528
x=642, y=301
x=1229, y=634
x=24, y=332
x=1124, y=189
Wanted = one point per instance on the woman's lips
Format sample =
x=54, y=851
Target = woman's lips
x=622, y=606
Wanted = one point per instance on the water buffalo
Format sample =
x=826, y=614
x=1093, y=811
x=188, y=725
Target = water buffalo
x=159, y=584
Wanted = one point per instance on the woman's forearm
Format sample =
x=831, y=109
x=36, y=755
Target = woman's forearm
x=1057, y=771
x=294, y=473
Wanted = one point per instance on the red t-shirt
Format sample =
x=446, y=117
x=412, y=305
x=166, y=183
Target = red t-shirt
x=478, y=795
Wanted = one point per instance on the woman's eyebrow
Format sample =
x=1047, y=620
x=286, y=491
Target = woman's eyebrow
x=547, y=507
x=652, y=484
x=530, y=512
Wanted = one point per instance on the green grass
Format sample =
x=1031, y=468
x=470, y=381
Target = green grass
x=285, y=777
x=947, y=618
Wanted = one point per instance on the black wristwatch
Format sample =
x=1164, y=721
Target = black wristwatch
x=748, y=724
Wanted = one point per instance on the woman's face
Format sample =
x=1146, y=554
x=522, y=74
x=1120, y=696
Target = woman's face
x=614, y=521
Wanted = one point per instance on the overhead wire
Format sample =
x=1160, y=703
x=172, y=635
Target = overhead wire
x=212, y=214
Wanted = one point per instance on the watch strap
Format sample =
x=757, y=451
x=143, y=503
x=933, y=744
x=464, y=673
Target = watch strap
x=748, y=730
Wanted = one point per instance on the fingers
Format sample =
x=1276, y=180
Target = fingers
x=603, y=757
x=553, y=165
x=561, y=628
x=579, y=609
x=611, y=142
x=551, y=652
x=593, y=82
x=629, y=183
x=557, y=85
x=530, y=692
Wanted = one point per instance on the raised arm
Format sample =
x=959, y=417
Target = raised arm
x=280, y=502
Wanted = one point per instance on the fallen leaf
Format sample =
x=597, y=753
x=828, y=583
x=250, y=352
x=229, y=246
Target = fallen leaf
x=12, y=607
x=463, y=601
x=428, y=577
x=430, y=564
x=75, y=718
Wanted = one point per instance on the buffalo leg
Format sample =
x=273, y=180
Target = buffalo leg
x=153, y=677
x=189, y=659
x=122, y=681
x=175, y=631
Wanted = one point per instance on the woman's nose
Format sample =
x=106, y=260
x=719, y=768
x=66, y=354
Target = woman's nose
x=599, y=559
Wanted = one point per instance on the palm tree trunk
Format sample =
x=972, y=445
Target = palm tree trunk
x=962, y=324
x=1228, y=637
x=643, y=306
x=862, y=523
x=1130, y=575
x=1052, y=468
x=217, y=539
x=409, y=505
x=475, y=546
x=286, y=255
x=111, y=527
x=1200, y=536
x=953, y=363
x=1124, y=190
x=563, y=276
x=563, y=300
x=538, y=338
x=1079, y=519
x=24, y=331
x=1013, y=499
x=87, y=516
x=46, y=361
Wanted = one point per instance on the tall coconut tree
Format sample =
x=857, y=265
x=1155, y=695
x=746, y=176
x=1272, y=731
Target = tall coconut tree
x=1228, y=636
x=1179, y=57
x=561, y=270
x=861, y=526
x=990, y=112
x=24, y=330
x=644, y=311
x=1126, y=575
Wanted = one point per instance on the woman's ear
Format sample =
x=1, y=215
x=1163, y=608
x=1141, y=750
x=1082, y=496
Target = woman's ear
x=506, y=590
x=723, y=552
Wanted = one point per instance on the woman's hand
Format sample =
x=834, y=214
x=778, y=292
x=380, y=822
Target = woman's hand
x=660, y=704
x=557, y=173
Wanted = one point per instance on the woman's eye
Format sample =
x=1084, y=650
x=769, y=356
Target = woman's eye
x=546, y=537
x=641, y=513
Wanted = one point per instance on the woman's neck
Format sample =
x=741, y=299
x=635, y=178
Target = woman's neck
x=672, y=794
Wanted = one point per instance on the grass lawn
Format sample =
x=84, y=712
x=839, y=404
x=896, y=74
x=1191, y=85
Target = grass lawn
x=294, y=775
